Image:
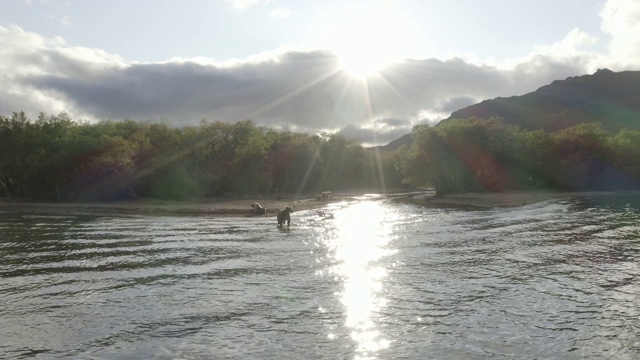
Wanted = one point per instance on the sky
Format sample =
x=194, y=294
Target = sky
x=369, y=70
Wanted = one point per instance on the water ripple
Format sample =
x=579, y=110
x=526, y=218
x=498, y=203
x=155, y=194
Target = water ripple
x=557, y=279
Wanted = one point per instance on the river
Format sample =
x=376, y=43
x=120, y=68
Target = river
x=367, y=279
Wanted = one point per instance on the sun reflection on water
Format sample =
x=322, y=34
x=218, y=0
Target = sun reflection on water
x=360, y=237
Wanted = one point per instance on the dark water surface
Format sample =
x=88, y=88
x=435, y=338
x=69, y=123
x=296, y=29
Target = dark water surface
x=553, y=280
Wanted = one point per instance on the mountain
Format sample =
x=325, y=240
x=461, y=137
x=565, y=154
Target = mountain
x=611, y=98
x=394, y=144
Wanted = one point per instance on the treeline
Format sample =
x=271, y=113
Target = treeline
x=474, y=155
x=56, y=158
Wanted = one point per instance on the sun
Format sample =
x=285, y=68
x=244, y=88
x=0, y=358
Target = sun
x=367, y=38
x=362, y=65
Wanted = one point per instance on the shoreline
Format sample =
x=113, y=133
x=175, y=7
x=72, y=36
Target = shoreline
x=479, y=201
x=241, y=207
x=211, y=207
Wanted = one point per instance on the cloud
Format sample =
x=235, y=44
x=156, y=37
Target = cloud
x=287, y=89
x=299, y=90
x=373, y=136
x=573, y=43
x=621, y=20
x=27, y=55
x=456, y=103
x=280, y=13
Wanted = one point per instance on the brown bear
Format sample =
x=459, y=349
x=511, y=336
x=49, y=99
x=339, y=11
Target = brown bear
x=285, y=215
x=257, y=209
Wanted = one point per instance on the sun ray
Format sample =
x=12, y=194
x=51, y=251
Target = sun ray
x=367, y=38
x=287, y=96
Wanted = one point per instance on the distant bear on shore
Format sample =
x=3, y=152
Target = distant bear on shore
x=324, y=196
x=258, y=209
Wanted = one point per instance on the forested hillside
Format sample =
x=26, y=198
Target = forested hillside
x=472, y=155
x=581, y=133
x=56, y=158
x=606, y=97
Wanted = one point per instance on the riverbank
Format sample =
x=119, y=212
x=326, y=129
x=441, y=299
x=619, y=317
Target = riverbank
x=241, y=207
x=212, y=207
x=492, y=200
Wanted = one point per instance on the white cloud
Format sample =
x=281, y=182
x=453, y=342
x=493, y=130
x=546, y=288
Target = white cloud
x=621, y=20
x=27, y=55
x=280, y=13
x=577, y=50
x=574, y=42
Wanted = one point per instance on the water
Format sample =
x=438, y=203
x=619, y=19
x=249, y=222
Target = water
x=369, y=279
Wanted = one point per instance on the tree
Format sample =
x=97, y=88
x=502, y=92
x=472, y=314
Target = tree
x=581, y=152
x=625, y=152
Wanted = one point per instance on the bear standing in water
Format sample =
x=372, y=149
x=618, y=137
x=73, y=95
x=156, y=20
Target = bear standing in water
x=285, y=215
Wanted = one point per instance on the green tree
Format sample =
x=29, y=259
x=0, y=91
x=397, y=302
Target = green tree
x=625, y=152
x=580, y=153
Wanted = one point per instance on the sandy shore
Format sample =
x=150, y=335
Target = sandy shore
x=213, y=207
x=220, y=207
